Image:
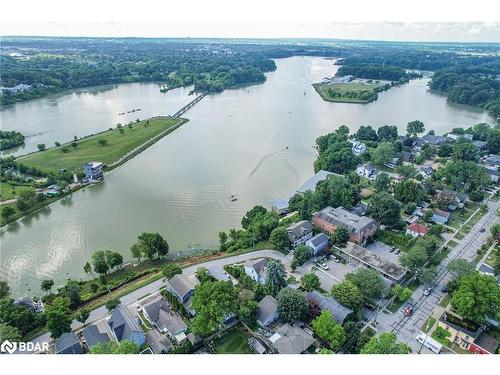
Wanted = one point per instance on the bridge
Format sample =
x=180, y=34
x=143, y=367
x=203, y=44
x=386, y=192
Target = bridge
x=181, y=111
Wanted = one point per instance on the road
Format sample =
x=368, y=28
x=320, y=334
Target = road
x=101, y=312
x=408, y=328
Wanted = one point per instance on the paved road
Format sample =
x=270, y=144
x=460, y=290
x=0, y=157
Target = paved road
x=101, y=312
x=408, y=328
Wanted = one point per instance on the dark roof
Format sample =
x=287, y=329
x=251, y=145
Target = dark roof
x=68, y=343
x=267, y=308
x=494, y=172
x=291, y=340
x=93, y=336
x=258, y=265
x=181, y=285
x=487, y=342
x=339, y=311
x=485, y=268
x=359, y=209
x=299, y=230
x=318, y=239
x=257, y=345
x=123, y=324
x=159, y=311
x=441, y=213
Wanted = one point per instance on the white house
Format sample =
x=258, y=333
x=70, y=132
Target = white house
x=358, y=148
x=300, y=232
x=93, y=171
x=257, y=270
x=366, y=170
x=318, y=243
x=417, y=230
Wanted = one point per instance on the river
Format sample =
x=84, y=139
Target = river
x=254, y=142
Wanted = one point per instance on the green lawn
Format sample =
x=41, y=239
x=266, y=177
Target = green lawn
x=445, y=301
x=325, y=90
x=9, y=191
x=429, y=323
x=88, y=149
x=233, y=342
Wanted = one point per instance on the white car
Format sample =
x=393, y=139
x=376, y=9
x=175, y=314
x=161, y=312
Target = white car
x=324, y=266
x=427, y=291
x=138, y=306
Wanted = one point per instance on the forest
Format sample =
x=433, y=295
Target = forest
x=378, y=72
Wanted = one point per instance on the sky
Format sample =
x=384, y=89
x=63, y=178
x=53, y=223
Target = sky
x=420, y=20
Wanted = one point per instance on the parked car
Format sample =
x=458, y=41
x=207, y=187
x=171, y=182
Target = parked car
x=408, y=311
x=427, y=291
x=138, y=306
x=482, y=230
x=324, y=266
x=444, y=289
x=397, y=251
x=392, y=248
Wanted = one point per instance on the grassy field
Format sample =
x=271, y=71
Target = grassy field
x=88, y=149
x=327, y=91
x=429, y=323
x=9, y=191
x=234, y=342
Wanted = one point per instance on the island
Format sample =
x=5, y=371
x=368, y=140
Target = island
x=10, y=139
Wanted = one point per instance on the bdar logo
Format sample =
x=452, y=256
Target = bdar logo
x=8, y=347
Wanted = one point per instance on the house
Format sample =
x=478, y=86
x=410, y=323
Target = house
x=425, y=171
x=268, y=311
x=492, y=160
x=93, y=171
x=494, y=175
x=318, y=243
x=159, y=344
x=92, y=336
x=300, y=232
x=182, y=287
x=435, y=140
x=35, y=306
x=484, y=344
x=361, y=255
x=124, y=327
x=218, y=274
x=454, y=199
x=290, y=339
x=486, y=269
x=462, y=332
x=360, y=228
x=310, y=184
x=440, y=216
x=417, y=230
x=280, y=206
x=359, y=209
x=257, y=270
x=367, y=171
x=480, y=145
x=68, y=343
x=406, y=156
x=339, y=312
x=393, y=163
x=159, y=313
x=358, y=148
x=456, y=137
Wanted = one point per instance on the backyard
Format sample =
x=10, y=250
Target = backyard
x=233, y=342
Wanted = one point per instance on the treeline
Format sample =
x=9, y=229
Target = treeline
x=10, y=139
x=377, y=72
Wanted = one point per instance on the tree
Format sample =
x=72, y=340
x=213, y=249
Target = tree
x=445, y=150
x=384, y=208
x=385, y=343
x=255, y=213
x=275, y=279
x=223, y=241
x=4, y=289
x=112, y=347
x=348, y=294
x=19, y=316
x=152, y=244
x=414, y=258
x=495, y=231
x=368, y=281
x=102, y=142
x=7, y=212
x=382, y=182
x=170, y=270
x=300, y=255
x=9, y=333
x=212, y=301
x=387, y=133
x=335, y=153
x=99, y=262
x=402, y=294
x=306, y=204
x=64, y=149
x=58, y=316
x=428, y=275
x=310, y=282
x=328, y=329
x=477, y=297
x=279, y=238
x=366, y=133
x=408, y=170
x=292, y=305
x=57, y=144
x=340, y=236
x=41, y=147
x=408, y=191
x=463, y=175
x=460, y=267
x=74, y=145
x=413, y=128
x=203, y=276
x=248, y=312
x=136, y=251
x=476, y=196
x=47, y=285
x=82, y=315
x=112, y=303
x=465, y=151
x=383, y=153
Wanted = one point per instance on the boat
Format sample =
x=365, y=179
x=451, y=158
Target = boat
x=234, y=199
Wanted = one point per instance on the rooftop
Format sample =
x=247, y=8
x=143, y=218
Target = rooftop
x=487, y=343
x=375, y=261
x=319, y=239
x=299, y=229
x=291, y=340
x=181, y=284
x=311, y=183
x=441, y=213
x=93, y=336
x=68, y=343
x=267, y=307
x=418, y=228
x=339, y=311
x=340, y=215
x=466, y=326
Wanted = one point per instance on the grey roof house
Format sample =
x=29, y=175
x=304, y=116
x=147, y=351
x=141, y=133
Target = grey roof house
x=291, y=340
x=158, y=312
x=257, y=269
x=181, y=287
x=218, y=274
x=300, y=232
x=68, y=343
x=339, y=312
x=92, y=336
x=268, y=311
x=318, y=243
x=440, y=216
x=124, y=327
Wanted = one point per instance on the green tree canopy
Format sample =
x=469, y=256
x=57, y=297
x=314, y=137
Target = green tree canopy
x=368, y=282
x=275, y=279
x=383, y=153
x=9, y=333
x=384, y=208
x=58, y=316
x=292, y=305
x=385, y=343
x=279, y=238
x=310, y=282
x=348, y=294
x=413, y=128
x=170, y=270
x=328, y=329
x=112, y=347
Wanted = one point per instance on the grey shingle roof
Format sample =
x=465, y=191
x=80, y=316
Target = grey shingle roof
x=339, y=311
x=291, y=340
x=68, y=343
x=181, y=285
x=319, y=239
x=258, y=265
x=159, y=311
x=299, y=230
x=267, y=308
x=341, y=217
x=93, y=336
x=218, y=274
x=124, y=325
x=311, y=183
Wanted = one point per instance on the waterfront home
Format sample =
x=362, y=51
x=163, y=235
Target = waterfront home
x=300, y=232
x=93, y=171
x=280, y=206
x=181, y=286
x=339, y=312
x=480, y=145
x=290, y=339
x=494, y=175
x=435, y=140
x=360, y=228
x=35, y=306
x=361, y=255
x=257, y=270
x=367, y=171
x=159, y=313
x=318, y=243
x=68, y=343
x=440, y=216
x=358, y=148
x=218, y=274
x=92, y=336
x=417, y=230
x=312, y=182
x=124, y=327
x=268, y=311
x=456, y=137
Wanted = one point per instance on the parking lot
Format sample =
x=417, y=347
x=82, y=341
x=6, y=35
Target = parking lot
x=335, y=274
x=383, y=250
